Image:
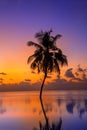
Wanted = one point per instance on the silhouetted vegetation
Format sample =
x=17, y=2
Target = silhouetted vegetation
x=47, y=57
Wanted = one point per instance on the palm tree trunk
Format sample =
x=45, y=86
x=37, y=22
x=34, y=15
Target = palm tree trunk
x=41, y=99
x=42, y=85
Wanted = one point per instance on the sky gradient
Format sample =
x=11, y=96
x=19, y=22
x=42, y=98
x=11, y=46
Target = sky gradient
x=21, y=19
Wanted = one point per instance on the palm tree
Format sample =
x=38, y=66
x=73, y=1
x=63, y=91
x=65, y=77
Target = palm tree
x=47, y=57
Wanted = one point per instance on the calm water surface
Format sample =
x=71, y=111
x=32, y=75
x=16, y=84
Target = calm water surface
x=22, y=110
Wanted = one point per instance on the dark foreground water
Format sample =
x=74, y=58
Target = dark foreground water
x=23, y=111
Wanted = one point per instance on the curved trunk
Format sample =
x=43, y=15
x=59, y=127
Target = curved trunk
x=41, y=98
x=42, y=85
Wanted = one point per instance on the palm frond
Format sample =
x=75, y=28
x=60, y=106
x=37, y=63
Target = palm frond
x=62, y=59
x=30, y=43
x=37, y=53
x=49, y=32
x=56, y=66
x=39, y=34
x=30, y=58
x=50, y=64
x=54, y=39
x=33, y=65
x=65, y=60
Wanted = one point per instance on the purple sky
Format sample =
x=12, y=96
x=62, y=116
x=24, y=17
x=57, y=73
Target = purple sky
x=21, y=19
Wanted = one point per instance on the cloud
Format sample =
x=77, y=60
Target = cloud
x=27, y=80
x=1, y=79
x=69, y=73
x=80, y=69
x=76, y=73
x=79, y=75
x=81, y=72
x=22, y=86
x=11, y=79
x=84, y=76
x=77, y=79
x=33, y=72
x=62, y=84
x=58, y=84
x=3, y=73
x=48, y=76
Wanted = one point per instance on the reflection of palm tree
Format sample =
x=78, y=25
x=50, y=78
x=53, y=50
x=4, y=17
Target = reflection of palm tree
x=48, y=56
x=47, y=126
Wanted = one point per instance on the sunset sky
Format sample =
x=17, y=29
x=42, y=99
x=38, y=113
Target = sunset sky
x=21, y=19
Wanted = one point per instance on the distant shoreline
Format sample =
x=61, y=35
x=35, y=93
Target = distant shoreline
x=43, y=90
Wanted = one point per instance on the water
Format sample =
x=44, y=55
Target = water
x=23, y=111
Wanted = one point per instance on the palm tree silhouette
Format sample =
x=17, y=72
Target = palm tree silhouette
x=47, y=57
